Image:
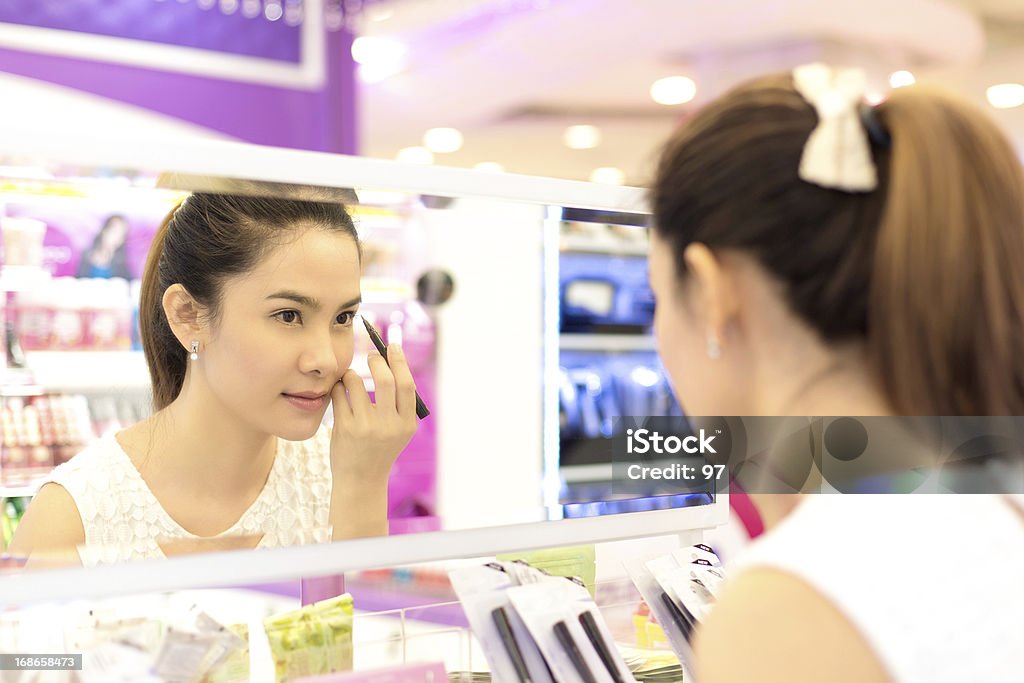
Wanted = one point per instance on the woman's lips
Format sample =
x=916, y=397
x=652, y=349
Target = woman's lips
x=306, y=403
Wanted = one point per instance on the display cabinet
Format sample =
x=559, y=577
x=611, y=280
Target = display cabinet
x=471, y=271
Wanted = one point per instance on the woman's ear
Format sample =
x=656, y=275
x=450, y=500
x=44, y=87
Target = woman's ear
x=714, y=289
x=183, y=314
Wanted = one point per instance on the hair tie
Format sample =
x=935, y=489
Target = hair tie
x=876, y=131
x=837, y=154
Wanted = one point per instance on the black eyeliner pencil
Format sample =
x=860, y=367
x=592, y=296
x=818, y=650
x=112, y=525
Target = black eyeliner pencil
x=421, y=407
x=509, y=640
x=565, y=638
x=682, y=621
x=593, y=631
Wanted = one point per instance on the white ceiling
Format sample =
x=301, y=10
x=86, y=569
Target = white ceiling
x=512, y=74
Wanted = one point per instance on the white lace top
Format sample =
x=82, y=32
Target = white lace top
x=124, y=521
x=932, y=581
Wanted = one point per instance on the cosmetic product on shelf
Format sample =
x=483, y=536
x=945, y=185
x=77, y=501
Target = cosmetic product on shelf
x=316, y=639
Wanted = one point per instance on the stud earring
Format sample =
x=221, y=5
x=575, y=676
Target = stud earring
x=195, y=350
x=714, y=347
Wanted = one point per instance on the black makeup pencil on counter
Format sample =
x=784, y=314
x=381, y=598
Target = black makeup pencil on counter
x=511, y=646
x=571, y=649
x=684, y=623
x=593, y=631
x=421, y=407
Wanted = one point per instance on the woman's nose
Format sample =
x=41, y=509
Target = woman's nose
x=321, y=356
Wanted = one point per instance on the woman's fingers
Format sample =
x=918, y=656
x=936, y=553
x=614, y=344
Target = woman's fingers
x=356, y=397
x=339, y=402
x=383, y=382
x=405, y=386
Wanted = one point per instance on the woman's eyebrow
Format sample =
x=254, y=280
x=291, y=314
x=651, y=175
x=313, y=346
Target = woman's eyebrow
x=301, y=299
x=309, y=302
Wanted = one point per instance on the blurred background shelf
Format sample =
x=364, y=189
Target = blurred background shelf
x=25, y=490
x=590, y=245
x=22, y=278
x=605, y=342
x=89, y=371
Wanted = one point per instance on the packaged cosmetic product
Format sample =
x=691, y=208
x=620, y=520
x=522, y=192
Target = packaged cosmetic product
x=69, y=329
x=704, y=566
x=581, y=605
x=601, y=639
x=235, y=667
x=183, y=654
x=228, y=641
x=142, y=633
x=33, y=316
x=571, y=561
x=545, y=610
x=710, y=578
x=673, y=622
x=114, y=662
x=511, y=652
x=696, y=600
x=22, y=241
x=674, y=581
x=313, y=640
x=697, y=552
x=107, y=314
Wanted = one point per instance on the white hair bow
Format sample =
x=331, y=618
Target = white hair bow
x=837, y=154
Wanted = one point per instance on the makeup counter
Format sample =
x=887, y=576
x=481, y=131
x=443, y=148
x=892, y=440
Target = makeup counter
x=523, y=307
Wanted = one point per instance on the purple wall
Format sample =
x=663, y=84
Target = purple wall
x=321, y=120
x=170, y=22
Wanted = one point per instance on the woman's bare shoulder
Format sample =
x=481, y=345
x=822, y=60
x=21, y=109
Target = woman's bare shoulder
x=770, y=626
x=51, y=525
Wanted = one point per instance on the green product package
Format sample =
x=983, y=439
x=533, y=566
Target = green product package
x=313, y=640
x=578, y=561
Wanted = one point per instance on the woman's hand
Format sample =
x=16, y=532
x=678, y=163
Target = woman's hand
x=368, y=437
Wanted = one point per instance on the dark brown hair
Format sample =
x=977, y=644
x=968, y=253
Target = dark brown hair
x=925, y=270
x=207, y=239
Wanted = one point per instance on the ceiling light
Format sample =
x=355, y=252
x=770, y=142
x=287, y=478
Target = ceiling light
x=490, y=167
x=251, y=8
x=1006, y=95
x=443, y=140
x=416, y=155
x=673, y=90
x=582, y=137
x=608, y=175
x=378, y=58
x=377, y=12
x=273, y=11
x=874, y=98
x=901, y=79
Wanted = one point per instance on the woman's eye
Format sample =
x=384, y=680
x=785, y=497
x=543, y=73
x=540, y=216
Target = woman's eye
x=288, y=317
x=345, y=318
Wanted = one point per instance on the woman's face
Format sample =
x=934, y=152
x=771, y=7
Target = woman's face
x=284, y=334
x=113, y=236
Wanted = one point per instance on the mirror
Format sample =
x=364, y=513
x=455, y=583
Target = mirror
x=525, y=322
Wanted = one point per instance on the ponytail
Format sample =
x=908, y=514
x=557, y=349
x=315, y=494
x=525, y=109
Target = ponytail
x=946, y=300
x=164, y=356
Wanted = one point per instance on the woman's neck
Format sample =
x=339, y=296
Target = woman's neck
x=818, y=380
x=195, y=441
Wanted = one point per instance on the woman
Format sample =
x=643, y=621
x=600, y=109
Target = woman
x=815, y=257
x=246, y=320
x=107, y=257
